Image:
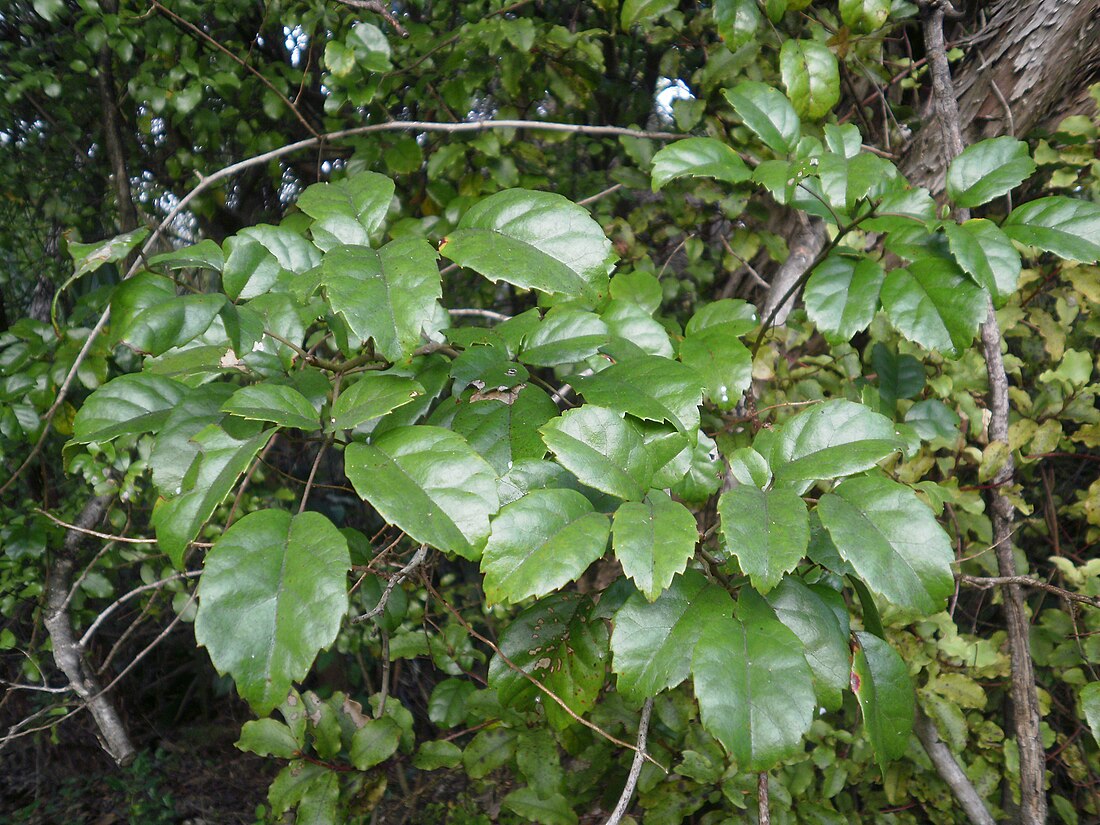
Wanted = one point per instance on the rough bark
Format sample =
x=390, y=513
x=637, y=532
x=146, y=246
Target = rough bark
x=112, y=133
x=1029, y=67
x=66, y=649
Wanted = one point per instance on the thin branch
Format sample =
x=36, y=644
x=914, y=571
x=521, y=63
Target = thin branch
x=121, y=600
x=378, y=8
x=400, y=576
x=635, y=766
x=539, y=685
x=987, y=582
x=601, y=194
x=210, y=41
x=313, y=474
x=763, y=801
x=479, y=313
x=950, y=771
x=85, y=531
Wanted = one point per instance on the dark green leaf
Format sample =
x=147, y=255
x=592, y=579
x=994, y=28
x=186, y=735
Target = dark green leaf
x=935, y=305
x=899, y=376
x=88, y=257
x=824, y=638
x=698, y=157
x=127, y=405
x=811, y=76
x=933, y=419
x=652, y=642
x=273, y=593
x=174, y=452
x=171, y=323
x=274, y=402
x=437, y=754
x=987, y=170
x=737, y=665
x=653, y=541
x=390, y=295
x=766, y=531
x=528, y=804
x=985, y=252
x=1065, y=226
x=768, y=113
x=564, y=336
x=649, y=387
x=892, y=540
x=372, y=396
x=636, y=11
x=881, y=683
x=374, y=743
x=430, y=483
x=534, y=240
x=503, y=426
x=204, y=255
x=540, y=542
x=601, y=450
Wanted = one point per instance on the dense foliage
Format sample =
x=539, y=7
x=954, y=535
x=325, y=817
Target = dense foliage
x=466, y=454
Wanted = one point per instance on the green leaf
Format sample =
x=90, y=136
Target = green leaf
x=899, y=376
x=134, y=296
x=811, y=76
x=628, y=321
x=49, y=9
x=564, y=336
x=737, y=665
x=372, y=396
x=748, y=467
x=768, y=113
x=1090, y=704
x=348, y=211
x=220, y=459
x=540, y=542
x=250, y=269
x=291, y=250
x=987, y=170
x=171, y=323
x=436, y=754
x=531, y=807
x=559, y=642
x=881, y=683
x=487, y=751
x=933, y=304
x=717, y=355
x=864, y=16
x=601, y=450
x=274, y=402
x=933, y=419
x=389, y=295
x=635, y=11
x=738, y=21
x=651, y=388
x=374, y=743
x=766, y=531
x=447, y=705
x=174, y=452
x=641, y=288
x=698, y=157
x=273, y=593
x=503, y=426
x=653, y=541
x=1067, y=227
x=204, y=255
x=534, y=240
x=127, y=405
x=88, y=257
x=430, y=483
x=269, y=737
x=823, y=635
x=830, y=440
x=731, y=314
x=372, y=49
x=842, y=295
x=892, y=540
x=652, y=643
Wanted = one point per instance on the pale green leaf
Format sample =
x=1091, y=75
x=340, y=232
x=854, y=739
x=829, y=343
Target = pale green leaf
x=127, y=405
x=768, y=113
x=864, y=16
x=811, y=75
x=738, y=21
x=1065, y=226
x=935, y=305
x=842, y=295
x=374, y=743
x=348, y=211
x=987, y=170
x=637, y=11
x=698, y=157
x=372, y=396
x=648, y=387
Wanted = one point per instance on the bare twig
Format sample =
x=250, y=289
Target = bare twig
x=396, y=579
x=85, y=531
x=1025, y=701
x=479, y=313
x=603, y=193
x=313, y=473
x=950, y=771
x=121, y=600
x=378, y=8
x=763, y=801
x=635, y=766
x=985, y=583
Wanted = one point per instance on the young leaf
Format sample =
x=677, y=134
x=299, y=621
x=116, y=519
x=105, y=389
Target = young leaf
x=127, y=405
x=348, y=211
x=823, y=634
x=372, y=396
x=273, y=593
x=766, y=531
x=737, y=665
x=987, y=170
x=390, y=295
x=274, y=402
x=881, y=683
x=652, y=643
x=811, y=76
x=842, y=295
x=558, y=642
x=892, y=540
x=534, y=240
x=653, y=541
x=648, y=387
x=830, y=440
x=540, y=542
x=430, y=483
x=768, y=113
x=698, y=157
x=1065, y=226
x=934, y=304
